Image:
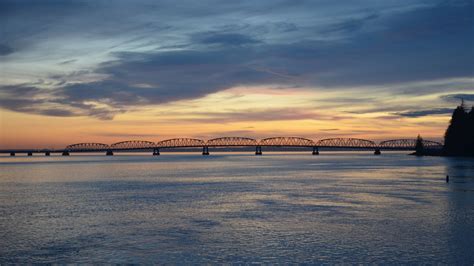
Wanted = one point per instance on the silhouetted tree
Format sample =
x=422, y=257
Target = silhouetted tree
x=419, y=148
x=470, y=139
x=459, y=136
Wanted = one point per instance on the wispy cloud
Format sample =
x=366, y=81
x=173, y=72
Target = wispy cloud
x=223, y=38
x=420, y=113
x=457, y=97
x=273, y=114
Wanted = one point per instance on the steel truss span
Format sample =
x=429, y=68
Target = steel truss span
x=349, y=143
x=346, y=143
x=231, y=141
x=408, y=144
x=133, y=145
x=180, y=143
x=81, y=147
x=286, y=141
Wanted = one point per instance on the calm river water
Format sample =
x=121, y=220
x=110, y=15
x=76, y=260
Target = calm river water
x=237, y=207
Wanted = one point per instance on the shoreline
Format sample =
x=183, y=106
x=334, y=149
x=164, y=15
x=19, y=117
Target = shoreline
x=439, y=153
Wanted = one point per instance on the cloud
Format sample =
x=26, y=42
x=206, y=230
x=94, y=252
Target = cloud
x=5, y=49
x=385, y=108
x=123, y=135
x=230, y=133
x=271, y=114
x=65, y=62
x=55, y=112
x=26, y=23
x=232, y=39
x=414, y=44
x=33, y=100
x=457, y=97
x=349, y=25
x=420, y=113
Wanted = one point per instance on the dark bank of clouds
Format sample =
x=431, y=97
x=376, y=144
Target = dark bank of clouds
x=426, y=42
x=421, y=113
x=458, y=97
x=5, y=49
x=28, y=99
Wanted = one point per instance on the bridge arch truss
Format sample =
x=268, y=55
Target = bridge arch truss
x=133, y=145
x=346, y=143
x=84, y=147
x=180, y=143
x=231, y=141
x=408, y=144
x=286, y=141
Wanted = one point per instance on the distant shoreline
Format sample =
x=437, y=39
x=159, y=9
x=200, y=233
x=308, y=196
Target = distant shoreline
x=439, y=153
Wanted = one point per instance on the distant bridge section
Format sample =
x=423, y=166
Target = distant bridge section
x=286, y=142
x=408, y=144
x=349, y=143
x=231, y=141
x=133, y=145
x=180, y=143
x=85, y=147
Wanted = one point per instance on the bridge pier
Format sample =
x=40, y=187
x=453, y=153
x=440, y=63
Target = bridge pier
x=258, y=150
x=156, y=152
x=47, y=153
x=65, y=153
x=377, y=151
x=30, y=153
x=205, y=150
x=12, y=154
x=315, y=150
x=109, y=153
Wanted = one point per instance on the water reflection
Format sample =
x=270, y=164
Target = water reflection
x=187, y=208
x=460, y=212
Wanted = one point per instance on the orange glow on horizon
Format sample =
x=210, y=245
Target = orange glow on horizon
x=256, y=112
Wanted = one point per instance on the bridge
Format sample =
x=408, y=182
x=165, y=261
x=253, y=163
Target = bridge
x=229, y=142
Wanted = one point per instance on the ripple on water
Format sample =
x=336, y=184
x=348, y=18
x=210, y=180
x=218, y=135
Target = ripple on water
x=277, y=208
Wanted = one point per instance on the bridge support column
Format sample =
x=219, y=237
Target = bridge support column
x=315, y=150
x=109, y=153
x=65, y=153
x=30, y=153
x=377, y=151
x=12, y=154
x=258, y=150
x=205, y=150
x=47, y=153
x=156, y=152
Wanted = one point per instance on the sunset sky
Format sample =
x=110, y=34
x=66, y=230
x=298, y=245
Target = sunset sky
x=108, y=71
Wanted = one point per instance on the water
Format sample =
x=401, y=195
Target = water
x=237, y=207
